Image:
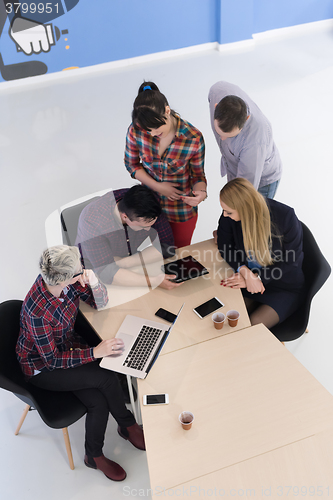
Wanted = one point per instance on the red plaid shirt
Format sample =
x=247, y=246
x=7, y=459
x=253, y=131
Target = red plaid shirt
x=47, y=339
x=182, y=162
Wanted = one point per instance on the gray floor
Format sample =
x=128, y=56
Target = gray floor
x=63, y=140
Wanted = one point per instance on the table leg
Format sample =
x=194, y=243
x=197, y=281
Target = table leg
x=130, y=390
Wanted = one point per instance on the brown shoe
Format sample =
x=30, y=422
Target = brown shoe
x=111, y=469
x=134, y=434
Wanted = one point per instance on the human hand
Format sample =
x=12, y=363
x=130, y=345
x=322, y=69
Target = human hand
x=164, y=281
x=169, y=190
x=193, y=201
x=235, y=281
x=30, y=36
x=88, y=278
x=254, y=284
x=253, y=281
x=215, y=236
x=110, y=347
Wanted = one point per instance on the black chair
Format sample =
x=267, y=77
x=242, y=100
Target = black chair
x=316, y=270
x=57, y=409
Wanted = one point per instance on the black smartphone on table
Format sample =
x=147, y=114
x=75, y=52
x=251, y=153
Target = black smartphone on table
x=167, y=315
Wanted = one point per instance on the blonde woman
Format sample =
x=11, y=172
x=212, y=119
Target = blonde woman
x=262, y=240
x=54, y=356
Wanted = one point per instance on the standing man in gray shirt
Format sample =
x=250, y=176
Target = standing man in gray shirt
x=245, y=138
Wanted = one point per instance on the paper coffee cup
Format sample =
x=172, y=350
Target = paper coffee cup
x=233, y=317
x=186, y=419
x=218, y=320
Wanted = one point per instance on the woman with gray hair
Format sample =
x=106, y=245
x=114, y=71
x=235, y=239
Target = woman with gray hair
x=54, y=356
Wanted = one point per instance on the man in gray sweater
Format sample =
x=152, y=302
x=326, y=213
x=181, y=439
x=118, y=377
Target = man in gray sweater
x=245, y=138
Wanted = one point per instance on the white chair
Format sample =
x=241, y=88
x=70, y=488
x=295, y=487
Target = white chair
x=61, y=225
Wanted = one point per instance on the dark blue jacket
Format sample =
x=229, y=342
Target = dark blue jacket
x=286, y=272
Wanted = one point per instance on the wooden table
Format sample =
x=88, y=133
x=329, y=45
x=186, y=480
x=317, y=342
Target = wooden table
x=263, y=424
x=261, y=419
x=299, y=470
x=189, y=329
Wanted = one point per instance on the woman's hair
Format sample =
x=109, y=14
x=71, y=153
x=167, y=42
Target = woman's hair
x=239, y=194
x=149, y=107
x=58, y=264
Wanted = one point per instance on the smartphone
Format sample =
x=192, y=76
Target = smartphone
x=208, y=307
x=168, y=316
x=155, y=399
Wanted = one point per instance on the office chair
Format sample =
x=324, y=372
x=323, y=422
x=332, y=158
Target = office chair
x=69, y=218
x=61, y=225
x=57, y=409
x=316, y=270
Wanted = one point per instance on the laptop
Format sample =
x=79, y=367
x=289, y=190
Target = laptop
x=185, y=269
x=143, y=341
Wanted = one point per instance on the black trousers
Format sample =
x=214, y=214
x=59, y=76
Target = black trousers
x=98, y=389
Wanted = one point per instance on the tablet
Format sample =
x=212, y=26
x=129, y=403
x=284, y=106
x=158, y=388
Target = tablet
x=185, y=269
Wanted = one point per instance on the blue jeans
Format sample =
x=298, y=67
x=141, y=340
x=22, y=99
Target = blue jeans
x=269, y=190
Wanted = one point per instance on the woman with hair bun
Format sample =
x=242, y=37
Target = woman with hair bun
x=262, y=240
x=54, y=354
x=166, y=153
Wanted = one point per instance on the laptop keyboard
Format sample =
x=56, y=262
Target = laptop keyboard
x=142, y=347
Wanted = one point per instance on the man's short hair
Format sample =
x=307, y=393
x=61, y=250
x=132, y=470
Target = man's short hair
x=230, y=113
x=140, y=202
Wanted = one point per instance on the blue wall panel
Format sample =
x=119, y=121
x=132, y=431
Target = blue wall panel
x=107, y=30
x=236, y=20
x=274, y=14
x=143, y=27
x=81, y=33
